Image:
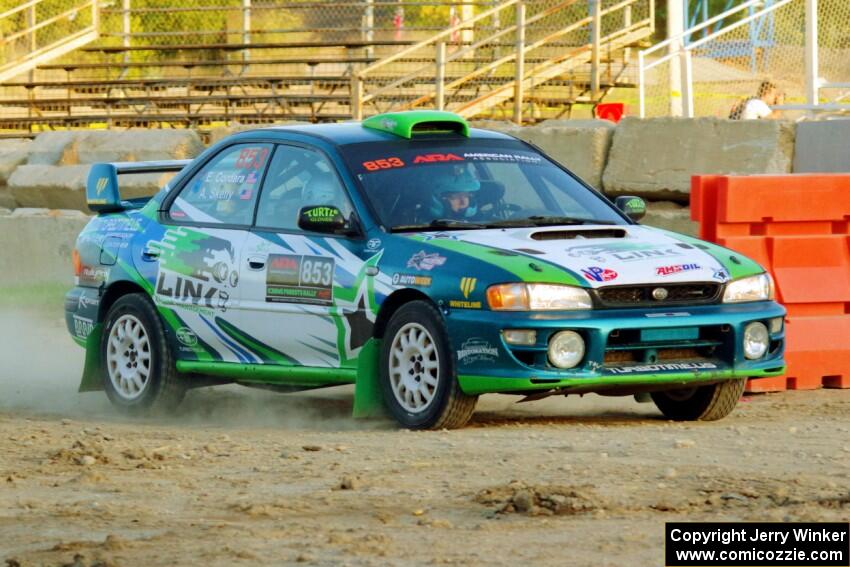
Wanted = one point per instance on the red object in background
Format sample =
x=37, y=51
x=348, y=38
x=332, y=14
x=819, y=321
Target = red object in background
x=798, y=228
x=612, y=111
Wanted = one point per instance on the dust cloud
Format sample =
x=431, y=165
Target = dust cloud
x=41, y=366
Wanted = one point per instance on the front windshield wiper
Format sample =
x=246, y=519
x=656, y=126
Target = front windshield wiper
x=540, y=220
x=438, y=223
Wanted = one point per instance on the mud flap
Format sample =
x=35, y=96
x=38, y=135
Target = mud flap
x=368, y=399
x=92, y=381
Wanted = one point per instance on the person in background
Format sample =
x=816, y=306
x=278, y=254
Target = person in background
x=758, y=107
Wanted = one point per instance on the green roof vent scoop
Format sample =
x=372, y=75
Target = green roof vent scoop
x=417, y=122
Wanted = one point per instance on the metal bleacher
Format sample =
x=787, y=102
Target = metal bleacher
x=204, y=84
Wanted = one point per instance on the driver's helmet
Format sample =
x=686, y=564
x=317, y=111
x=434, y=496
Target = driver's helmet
x=321, y=190
x=448, y=183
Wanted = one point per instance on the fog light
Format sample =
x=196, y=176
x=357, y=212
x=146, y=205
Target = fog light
x=566, y=349
x=756, y=340
x=775, y=325
x=522, y=337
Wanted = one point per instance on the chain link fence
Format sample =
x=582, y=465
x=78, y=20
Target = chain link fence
x=728, y=68
x=28, y=27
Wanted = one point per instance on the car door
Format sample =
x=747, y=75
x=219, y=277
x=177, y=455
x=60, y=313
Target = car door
x=307, y=297
x=198, y=280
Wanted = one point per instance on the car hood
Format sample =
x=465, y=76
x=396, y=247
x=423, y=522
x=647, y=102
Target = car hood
x=603, y=255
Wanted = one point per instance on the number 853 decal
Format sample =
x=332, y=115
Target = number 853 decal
x=299, y=279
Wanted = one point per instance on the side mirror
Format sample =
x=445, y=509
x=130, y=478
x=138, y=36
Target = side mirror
x=634, y=207
x=321, y=218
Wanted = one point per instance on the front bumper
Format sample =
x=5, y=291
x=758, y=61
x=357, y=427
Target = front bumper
x=485, y=363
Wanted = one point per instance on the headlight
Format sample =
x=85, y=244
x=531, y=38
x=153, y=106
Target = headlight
x=537, y=297
x=566, y=349
x=756, y=340
x=753, y=288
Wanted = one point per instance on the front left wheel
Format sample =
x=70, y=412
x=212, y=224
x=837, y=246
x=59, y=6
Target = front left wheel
x=139, y=373
x=418, y=378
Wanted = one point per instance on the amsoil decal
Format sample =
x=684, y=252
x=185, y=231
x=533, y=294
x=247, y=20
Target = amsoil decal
x=299, y=279
x=643, y=368
x=424, y=261
x=597, y=274
x=196, y=270
x=477, y=350
x=675, y=269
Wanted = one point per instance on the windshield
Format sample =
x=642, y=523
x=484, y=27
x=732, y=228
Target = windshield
x=469, y=184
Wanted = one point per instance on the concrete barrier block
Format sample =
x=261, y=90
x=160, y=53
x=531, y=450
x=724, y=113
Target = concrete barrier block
x=12, y=154
x=137, y=145
x=670, y=216
x=822, y=147
x=37, y=249
x=579, y=145
x=92, y=146
x=655, y=158
x=52, y=148
x=64, y=187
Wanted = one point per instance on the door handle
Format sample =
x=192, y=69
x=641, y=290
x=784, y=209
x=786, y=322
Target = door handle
x=256, y=262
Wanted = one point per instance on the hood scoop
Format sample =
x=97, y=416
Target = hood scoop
x=579, y=234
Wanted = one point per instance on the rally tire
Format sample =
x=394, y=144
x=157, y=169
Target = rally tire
x=419, y=323
x=703, y=403
x=133, y=324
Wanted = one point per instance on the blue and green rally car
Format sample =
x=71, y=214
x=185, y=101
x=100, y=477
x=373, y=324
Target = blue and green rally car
x=420, y=259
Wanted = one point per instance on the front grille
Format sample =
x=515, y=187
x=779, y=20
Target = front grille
x=641, y=295
x=711, y=343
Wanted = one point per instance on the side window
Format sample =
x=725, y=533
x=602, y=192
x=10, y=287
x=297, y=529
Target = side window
x=225, y=190
x=298, y=177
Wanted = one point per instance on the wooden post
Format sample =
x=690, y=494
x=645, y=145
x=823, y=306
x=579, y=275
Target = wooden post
x=441, y=76
x=520, y=62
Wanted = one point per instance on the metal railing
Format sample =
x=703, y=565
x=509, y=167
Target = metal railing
x=42, y=30
x=684, y=76
x=502, y=53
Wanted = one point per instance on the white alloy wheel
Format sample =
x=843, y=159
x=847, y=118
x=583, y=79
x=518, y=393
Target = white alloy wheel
x=128, y=357
x=414, y=368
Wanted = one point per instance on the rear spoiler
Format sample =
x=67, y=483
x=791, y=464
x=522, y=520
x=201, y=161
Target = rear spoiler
x=102, y=194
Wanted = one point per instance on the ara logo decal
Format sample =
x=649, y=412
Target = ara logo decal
x=436, y=158
x=675, y=269
x=597, y=274
x=467, y=286
x=424, y=261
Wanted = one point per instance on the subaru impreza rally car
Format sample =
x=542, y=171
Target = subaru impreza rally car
x=422, y=260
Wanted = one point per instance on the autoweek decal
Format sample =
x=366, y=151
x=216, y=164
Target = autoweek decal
x=292, y=278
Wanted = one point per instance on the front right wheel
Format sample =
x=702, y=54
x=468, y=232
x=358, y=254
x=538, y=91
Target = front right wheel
x=418, y=379
x=700, y=403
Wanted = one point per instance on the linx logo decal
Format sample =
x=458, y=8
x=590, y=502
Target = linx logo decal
x=424, y=261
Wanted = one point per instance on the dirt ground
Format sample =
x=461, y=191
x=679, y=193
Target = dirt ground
x=245, y=477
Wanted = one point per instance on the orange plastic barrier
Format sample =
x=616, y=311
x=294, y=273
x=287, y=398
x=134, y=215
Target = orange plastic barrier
x=798, y=228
